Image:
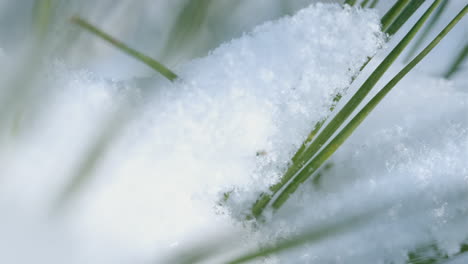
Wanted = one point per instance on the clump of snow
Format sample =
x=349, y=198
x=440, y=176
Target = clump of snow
x=277, y=76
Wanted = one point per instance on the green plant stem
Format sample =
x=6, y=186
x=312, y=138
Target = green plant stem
x=350, y=2
x=427, y=29
x=374, y=4
x=306, y=153
x=419, y=256
x=401, y=19
x=364, y=3
x=265, y=198
x=338, y=226
x=458, y=61
x=43, y=12
x=409, y=10
x=15, y=97
x=318, y=125
x=394, y=11
x=111, y=130
x=83, y=173
x=171, y=76
x=312, y=166
x=186, y=28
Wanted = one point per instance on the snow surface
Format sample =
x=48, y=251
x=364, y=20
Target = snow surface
x=411, y=156
x=231, y=123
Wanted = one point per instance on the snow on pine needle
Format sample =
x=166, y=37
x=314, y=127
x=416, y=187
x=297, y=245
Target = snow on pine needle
x=409, y=160
x=229, y=125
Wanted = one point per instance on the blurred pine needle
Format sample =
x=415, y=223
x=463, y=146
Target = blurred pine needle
x=155, y=65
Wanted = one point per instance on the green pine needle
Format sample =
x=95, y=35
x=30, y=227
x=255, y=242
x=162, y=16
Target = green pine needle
x=457, y=63
x=374, y=4
x=357, y=120
x=350, y=2
x=364, y=3
x=344, y=113
x=409, y=10
x=401, y=19
x=427, y=30
x=157, y=66
x=90, y=161
x=390, y=16
x=43, y=13
x=338, y=226
x=431, y=254
x=186, y=29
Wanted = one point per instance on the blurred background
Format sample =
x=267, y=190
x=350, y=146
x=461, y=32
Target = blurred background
x=172, y=31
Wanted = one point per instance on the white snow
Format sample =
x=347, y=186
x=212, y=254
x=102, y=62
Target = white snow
x=409, y=158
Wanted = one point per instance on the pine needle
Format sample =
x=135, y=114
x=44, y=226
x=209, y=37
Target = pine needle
x=313, y=165
x=157, y=66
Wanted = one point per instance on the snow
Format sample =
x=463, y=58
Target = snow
x=230, y=124
x=411, y=156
